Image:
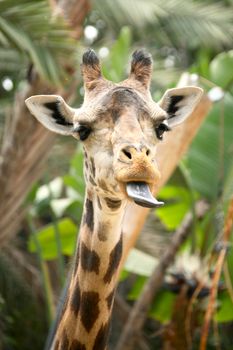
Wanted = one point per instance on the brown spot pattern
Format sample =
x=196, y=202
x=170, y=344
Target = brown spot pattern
x=101, y=338
x=76, y=299
x=90, y=260
x=114, y=260
x=103, y=231
x=76, y=260
x=64, y=341
x=93, y=166
x=103, y=185
x=76, y=345
x=56, y=346
x=109, y=299
x=89, y=214
x=92, y=181
x=89, y=311
x=112, y=203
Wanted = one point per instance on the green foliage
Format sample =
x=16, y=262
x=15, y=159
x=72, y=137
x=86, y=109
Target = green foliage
x=178, y=202
x=28, y=34
x=46, y=238
x=210, y=155
x=20, y=309
x=221, y=69
x=225, y=308
x=114, y=67
x=177, y=23
x=162, y=306
x=146, y=266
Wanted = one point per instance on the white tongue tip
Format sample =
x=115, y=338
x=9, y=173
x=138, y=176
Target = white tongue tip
x=141, y=194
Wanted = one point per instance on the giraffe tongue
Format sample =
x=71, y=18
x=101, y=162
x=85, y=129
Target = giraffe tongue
x=141, y=194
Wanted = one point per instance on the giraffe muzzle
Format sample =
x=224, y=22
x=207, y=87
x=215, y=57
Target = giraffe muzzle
x=141, y=195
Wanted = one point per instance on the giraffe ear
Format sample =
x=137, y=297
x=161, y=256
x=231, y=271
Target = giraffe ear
x=52, y=112
x=179, y=103
x=141, y=67
x=90, y=67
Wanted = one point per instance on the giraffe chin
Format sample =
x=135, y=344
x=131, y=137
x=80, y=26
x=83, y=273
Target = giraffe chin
x=140, y=193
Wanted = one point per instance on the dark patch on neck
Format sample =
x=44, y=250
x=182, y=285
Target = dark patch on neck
x=56, y=346
x=76, y=299
x=56, y=114
x=86, y=164
x=103, y=185
x=114, y=260
x=92, y=166
x=112, y=203
x=76, y=259
x=101, y=338
x=103, y=231
x=92, y=181
x=76, y=345
x=64, y=341
x=90, y=260
x=89, y=311
x=89, y=214
x=109, y=299
x=172, y=107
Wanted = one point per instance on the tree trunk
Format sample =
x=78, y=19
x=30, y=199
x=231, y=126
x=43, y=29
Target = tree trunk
x=26, y=143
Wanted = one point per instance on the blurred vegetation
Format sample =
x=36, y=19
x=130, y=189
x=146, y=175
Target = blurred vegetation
x=181, y=35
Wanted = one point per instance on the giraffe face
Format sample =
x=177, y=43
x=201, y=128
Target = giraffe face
x=120, y=143
x=118, y=124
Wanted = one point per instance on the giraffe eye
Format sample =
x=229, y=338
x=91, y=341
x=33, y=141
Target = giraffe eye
x=83, y=131
x=160, y=129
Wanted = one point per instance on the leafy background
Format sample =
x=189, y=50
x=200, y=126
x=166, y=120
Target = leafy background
x=195, y=36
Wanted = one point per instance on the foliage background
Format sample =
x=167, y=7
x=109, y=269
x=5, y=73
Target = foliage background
x=194, y=36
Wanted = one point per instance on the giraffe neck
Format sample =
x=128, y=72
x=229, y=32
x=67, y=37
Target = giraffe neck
x=84, y=323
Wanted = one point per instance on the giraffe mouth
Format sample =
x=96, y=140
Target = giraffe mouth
x=141, y=195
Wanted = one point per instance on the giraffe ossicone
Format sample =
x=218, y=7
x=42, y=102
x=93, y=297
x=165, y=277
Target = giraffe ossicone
x=119, y=126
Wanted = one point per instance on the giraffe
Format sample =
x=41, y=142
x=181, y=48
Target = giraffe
x=119, y=126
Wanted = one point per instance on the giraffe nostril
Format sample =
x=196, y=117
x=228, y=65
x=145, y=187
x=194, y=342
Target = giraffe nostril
x=127, y=153
x=148, y=152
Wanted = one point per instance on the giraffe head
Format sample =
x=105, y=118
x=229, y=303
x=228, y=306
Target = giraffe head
x=119, y=125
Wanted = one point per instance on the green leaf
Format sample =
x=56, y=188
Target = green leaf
x=27, y=30
x=221, y=69
x=146, y=265
x=46, y=237
x=77, y=163
x=74, y=183
x=162, y=306
x=225, y=312
x=137, y=288
x=204, y=156
x=178, y=201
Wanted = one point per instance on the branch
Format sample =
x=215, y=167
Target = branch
x=140, y=310
x=217, y=274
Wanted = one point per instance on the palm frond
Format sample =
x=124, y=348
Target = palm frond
x=186, y=23
x=27, y=27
